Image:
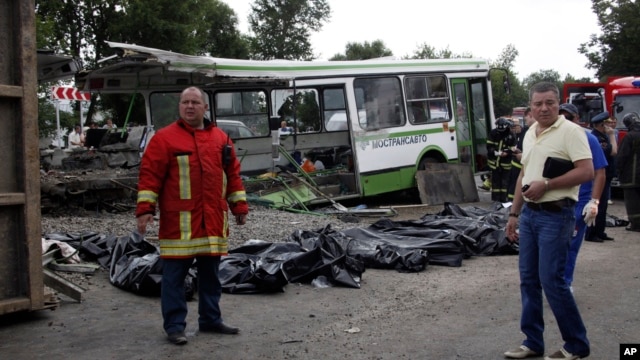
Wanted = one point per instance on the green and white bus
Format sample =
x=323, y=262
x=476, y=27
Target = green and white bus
x=370, y=125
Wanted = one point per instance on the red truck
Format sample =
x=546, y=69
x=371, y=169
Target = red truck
x=618, y=95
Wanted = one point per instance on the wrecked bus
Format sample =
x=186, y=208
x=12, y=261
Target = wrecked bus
x=363, y=127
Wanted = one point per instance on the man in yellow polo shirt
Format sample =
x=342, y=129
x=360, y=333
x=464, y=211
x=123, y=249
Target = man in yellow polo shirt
x=545, y=207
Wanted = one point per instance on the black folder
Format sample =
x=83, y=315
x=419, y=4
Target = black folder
x=554, y=167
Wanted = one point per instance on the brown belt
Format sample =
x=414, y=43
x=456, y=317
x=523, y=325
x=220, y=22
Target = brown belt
x=553, y=206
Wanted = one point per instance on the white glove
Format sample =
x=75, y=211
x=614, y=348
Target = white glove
x=590, y=212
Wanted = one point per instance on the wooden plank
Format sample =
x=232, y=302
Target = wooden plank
x=28, y=145
x=62, y=285
x=10, y=91
x=11, y=305
x=12, y=199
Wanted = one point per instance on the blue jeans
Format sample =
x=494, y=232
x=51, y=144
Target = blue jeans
x=576, y=241
x=544, y=243
x=173, y=300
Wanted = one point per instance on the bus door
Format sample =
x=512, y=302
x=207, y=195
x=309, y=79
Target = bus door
x=464, y=133
x=472, y=121
x=481, y=119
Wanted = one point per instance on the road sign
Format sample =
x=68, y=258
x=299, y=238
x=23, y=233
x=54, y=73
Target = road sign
x=69, y=93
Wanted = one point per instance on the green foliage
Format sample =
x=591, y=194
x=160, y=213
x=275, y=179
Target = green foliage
x=507, y=90
x=306, y=110
x=222, y=37
x=125, y=108
x=188, y=27
x=47, y=123
x=549, y=75
x=615, y=51
x=503, y=102
x=507, y=57
x=426, y=51
x=283, y=28
x=364, y=51
x=81, y=28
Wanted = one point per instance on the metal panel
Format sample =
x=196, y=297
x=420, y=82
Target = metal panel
x=21, y=276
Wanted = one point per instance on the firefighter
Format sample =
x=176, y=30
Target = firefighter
x=499, y=153
x=516, y=166
x=628, y=160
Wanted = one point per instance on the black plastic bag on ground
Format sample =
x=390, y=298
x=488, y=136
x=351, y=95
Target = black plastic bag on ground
x=327, y=256
x=256, y=267
x=135, y=265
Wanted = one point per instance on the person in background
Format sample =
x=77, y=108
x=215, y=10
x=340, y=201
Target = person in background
x=284, y=128
x=499, y=144
x=545, y=210
x=588, y=196
x=76, y=138
x=528, y=119
x=518, y=132
x=190, y=173
x=516, y=165
x=109, y=124
x=612, y=122
x=606, y=138
x=628, y=160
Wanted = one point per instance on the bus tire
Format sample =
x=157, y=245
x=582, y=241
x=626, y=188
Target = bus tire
x=426, y=160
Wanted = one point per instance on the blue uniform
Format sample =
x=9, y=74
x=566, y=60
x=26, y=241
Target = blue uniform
x=599, y=162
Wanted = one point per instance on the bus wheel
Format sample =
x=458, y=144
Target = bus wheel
x=425, y=161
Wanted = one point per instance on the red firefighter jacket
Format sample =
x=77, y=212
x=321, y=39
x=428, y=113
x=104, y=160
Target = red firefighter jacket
x=183, y=176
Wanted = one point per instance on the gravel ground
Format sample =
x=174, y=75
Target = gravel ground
x=262, y=223
x=454, y=313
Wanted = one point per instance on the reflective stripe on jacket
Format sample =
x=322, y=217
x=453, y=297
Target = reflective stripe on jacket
x=182, y=175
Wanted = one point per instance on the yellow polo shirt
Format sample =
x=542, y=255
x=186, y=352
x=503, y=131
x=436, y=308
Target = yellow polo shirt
x=564, y=140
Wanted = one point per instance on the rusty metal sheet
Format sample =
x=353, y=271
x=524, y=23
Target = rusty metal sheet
x=441, y=183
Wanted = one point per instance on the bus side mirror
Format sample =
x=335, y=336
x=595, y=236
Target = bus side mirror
x=618, y=107
x=274, y=123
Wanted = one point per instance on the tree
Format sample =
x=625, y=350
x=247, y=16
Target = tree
x=504, y=78
x=283, y=28
x=47, y=123
x=548, y=75
x=223, y=39
x=426, y=51
x=615, y=51
x=189, y=27
x=364, y=51
x=81, y=28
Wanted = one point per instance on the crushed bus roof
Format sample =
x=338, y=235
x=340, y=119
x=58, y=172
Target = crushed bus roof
x=143, y=67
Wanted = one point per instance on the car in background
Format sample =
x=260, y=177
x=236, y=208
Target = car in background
x=236, y=129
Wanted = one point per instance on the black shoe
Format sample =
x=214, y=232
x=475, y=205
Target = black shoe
x=605, y=237
x=220, y=329
x=594, y=239
x=178, y=338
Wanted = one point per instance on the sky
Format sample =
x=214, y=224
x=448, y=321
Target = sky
x=546, y=33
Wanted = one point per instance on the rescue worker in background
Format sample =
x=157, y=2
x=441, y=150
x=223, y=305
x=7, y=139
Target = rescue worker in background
x=586, y=210
x=190, y=173
x=516, y=166
x=606, y=138
x=628, y=161
x=499, y=144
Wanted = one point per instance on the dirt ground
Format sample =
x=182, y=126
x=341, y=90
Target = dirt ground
x=470, y=312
